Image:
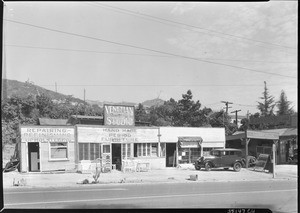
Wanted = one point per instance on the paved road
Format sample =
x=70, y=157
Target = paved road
x=279, y=196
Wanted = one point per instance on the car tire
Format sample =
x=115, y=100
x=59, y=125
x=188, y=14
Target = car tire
x=237, y=166
x=197, y=167
x=207, y=166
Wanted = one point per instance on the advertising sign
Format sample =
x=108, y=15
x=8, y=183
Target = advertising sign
x=117, y=135
x=118, y=115
x=47, y=134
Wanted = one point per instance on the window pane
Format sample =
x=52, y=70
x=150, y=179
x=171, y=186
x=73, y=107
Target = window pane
x=85, y=151
x=92, y=151
x=144, y=149
x=128, y=150
x=154, y=149
x=123, y=151
x=80, y=151
x=148, y=149
x=139, y=149
x=106, y=148
x=98, y=153
x=59, y=152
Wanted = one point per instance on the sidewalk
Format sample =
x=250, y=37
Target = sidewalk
x=168, y=175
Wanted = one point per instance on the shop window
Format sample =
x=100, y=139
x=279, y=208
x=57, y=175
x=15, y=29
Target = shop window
x=189, y=155
x=59, y=151
x=106, y=148
x=154, y=149
x=89, y=151
x=146, y=149
x=126, y=150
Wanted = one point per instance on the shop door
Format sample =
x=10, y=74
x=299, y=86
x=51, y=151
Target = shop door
x=170, y=154
x=34, y=157
x=116, y=156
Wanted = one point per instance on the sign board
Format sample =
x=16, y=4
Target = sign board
x=117, y=135
x=262, y=161
x=47, y=134
x=118, y=115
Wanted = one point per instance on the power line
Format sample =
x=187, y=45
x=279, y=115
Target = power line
x=158, y=85
x=138, y=54
x=188, y=25
x=143, y=48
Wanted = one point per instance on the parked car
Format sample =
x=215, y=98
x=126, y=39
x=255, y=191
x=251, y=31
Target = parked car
x=294, y=158
x=221, y=158
x=251, y=161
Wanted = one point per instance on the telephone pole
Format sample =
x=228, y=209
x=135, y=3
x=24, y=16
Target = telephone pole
x=55, y=87
x=223, y=115
x=236, y=111
x=226, y=104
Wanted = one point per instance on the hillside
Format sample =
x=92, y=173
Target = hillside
x=23, y=89
x=153, y=102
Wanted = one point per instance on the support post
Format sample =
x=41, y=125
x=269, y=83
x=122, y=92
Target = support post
x=274, y=156
x=247, y=143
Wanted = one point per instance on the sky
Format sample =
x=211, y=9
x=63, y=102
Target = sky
x=137, y=51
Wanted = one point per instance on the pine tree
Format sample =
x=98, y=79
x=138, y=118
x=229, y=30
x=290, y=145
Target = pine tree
x=283, y=105
x=267, y=106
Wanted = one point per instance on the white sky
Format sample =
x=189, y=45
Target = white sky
x=261, y=37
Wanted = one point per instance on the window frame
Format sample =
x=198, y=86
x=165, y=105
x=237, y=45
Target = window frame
x=144, y=150
x=59, y=146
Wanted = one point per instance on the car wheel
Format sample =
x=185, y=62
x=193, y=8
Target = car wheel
x=207, y=166
x=197, y=167
x=237, y=166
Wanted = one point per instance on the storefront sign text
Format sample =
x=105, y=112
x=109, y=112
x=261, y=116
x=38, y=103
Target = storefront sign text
x=118, y=115
x=37, y=134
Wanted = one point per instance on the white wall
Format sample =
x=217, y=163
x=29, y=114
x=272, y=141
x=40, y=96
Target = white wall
x=212, y=137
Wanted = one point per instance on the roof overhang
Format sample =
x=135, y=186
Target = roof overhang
x=190, y=142
x=254, y=135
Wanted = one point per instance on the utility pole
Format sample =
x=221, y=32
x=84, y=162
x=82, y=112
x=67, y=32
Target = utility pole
x=55, y=87
x=226, y=104
x=223, y=115
x=236, y=111
x=84, y=95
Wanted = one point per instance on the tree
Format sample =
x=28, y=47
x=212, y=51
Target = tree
x=266, y=107
x=283, y=105
x=141, y=114
x=189, y=113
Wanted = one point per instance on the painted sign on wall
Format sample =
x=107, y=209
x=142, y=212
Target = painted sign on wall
x=117, y=135
x=118, y=115
x=47, y=134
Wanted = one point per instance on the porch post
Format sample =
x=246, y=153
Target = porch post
x=247, y=143
x=274, y=155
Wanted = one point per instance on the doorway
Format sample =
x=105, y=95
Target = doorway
x=34, y=157
x=116, y=155
x=170, y=154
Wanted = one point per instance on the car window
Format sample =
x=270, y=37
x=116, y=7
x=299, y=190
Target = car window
x=214, y=153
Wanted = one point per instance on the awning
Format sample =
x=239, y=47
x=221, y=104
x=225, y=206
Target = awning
x=189, y=142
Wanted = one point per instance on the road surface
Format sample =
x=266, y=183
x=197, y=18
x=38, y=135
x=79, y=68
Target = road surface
x=279, y=196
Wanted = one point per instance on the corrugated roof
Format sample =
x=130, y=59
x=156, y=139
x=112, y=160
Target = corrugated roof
x=53, y=122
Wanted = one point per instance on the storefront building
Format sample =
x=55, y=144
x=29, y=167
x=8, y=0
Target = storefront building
x=46, y=148
x=114, y=142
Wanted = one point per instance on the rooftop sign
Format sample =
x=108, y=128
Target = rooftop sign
x=118, y=115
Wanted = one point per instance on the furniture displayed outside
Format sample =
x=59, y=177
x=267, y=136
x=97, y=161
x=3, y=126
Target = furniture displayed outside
x=133, y=165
